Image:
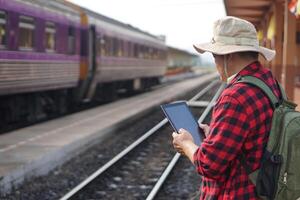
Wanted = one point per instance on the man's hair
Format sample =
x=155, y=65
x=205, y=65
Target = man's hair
x=248, y=54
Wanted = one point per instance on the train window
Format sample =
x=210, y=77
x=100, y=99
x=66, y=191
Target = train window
x=141, y=52
x=150, y=53
x=146, y=52
x=155, y=54
x=108, y=46
x=50, y=36
x=71, y=40
x=124, y=48
x=105, y=46
x=129, y=51
x=115, y=47
x=104, y=50
x=112, y=47
x=100, y=46
x=140, y=49
x=2, y=29
x=26, y=33
x=136, y=50
x=162, y=55
x=120, y=48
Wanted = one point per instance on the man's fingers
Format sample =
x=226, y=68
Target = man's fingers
x=182, y=130
x=203, y=125
x=177, y=147
x=174, y=134
x=205, y=128
x=179, y=150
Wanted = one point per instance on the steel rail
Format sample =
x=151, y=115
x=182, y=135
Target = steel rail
x=128, y=149
x=174, y=160
x=202, y=92
x=198, y=103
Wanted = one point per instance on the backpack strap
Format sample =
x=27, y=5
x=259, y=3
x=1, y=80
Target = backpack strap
x=264, y=87
x=274, y=101
x=283, y=94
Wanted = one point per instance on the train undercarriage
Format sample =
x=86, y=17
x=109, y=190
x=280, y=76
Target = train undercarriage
x=24, y=109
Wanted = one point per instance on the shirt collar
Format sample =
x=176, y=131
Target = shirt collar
x=248, y=70
x=231, y=77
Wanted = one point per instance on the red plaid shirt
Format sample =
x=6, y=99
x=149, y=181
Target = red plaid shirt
x=241, y=123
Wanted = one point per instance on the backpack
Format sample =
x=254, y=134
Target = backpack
x=278, y=178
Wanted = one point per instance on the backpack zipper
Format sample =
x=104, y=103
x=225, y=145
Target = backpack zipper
x=285, y=178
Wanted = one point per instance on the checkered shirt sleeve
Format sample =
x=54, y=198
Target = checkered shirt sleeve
x=229, y=129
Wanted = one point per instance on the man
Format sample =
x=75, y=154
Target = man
x=241, y=119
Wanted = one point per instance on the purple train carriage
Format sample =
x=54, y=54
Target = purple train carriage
x=55, y=55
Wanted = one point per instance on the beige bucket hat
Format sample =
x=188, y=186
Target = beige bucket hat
x=232, y=34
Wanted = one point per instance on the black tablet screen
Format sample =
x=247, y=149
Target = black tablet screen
x=180, y=116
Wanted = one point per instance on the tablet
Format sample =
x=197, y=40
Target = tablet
x=180, y=116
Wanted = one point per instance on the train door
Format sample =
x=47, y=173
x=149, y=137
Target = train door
x=93, y=62
x=89, y=84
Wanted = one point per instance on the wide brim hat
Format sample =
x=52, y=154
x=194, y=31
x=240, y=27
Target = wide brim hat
x=231, y=35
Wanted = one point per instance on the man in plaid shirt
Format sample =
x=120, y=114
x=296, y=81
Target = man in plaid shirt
x=241, y=118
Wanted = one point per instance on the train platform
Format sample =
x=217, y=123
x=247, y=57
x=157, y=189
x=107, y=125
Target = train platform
x=37, y=149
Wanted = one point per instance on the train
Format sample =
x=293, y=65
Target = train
x=55, y=55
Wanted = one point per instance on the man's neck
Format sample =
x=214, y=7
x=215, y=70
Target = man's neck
x=238, y=66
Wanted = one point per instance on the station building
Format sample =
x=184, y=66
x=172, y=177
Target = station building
x=179, y=61
x=278, y=26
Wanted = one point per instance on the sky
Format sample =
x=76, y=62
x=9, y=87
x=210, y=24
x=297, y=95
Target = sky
x=183, y=22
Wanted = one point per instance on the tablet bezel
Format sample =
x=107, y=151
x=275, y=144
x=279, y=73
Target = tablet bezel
x=178, y=103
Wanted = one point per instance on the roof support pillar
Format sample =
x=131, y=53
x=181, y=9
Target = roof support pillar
x=264, y=29
x=277, y=62
x=289, y=48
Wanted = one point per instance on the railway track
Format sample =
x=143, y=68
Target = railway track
x=139, y=171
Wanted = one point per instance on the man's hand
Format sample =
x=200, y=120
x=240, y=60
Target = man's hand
x=184, y=144
x=205, y=129
x=179, y=140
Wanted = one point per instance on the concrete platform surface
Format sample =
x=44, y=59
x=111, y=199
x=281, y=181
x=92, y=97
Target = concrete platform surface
x=37, y=149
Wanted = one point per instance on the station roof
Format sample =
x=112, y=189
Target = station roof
x=181, y=51
x=250, y=10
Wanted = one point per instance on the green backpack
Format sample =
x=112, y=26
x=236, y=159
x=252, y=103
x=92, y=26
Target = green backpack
x=278, y=178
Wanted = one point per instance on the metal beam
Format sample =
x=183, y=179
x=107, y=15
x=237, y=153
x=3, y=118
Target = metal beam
x=247, y=3
x=246, y=12
x=251, y=19
x=201, y=104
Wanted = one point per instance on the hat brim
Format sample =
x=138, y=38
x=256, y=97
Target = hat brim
x=221, y=49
